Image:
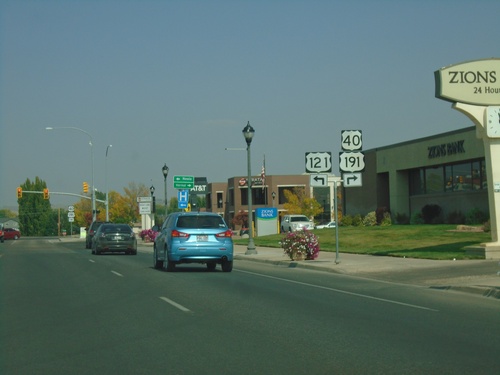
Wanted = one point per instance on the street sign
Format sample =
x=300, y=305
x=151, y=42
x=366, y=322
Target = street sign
x=71, y=214
x=318, y=180
x=144, y=199
x=318, y=162
x=71, y=208
x=145, y=208
x=71, y=219
x=351, y=140
x=351, y=161
x=352, y=179
x=183, y=182
x=183, y=196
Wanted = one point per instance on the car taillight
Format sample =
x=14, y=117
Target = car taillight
x=227, y=233
x=176, y=233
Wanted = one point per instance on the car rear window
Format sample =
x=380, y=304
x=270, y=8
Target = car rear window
x=200, y=222
x=115, y=228
x=299, y=218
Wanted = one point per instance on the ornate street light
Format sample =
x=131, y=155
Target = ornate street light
x=248, y=133
x=165, y=174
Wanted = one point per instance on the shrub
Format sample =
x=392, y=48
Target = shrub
x=487, y=226
x=370, y=219
x=357, y=220
x=431, y=214
x=417, y=219
x=402, y=219
x=456, y=217
x=381, y=214
x=346, y=220
x=386, y=220
x=475, y=216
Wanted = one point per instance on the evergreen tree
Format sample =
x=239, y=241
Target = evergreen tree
x=35, y=214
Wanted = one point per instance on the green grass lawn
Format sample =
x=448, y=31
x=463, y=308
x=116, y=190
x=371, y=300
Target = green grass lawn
x=413, y=241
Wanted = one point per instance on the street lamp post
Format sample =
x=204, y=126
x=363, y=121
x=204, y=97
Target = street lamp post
x=248, y=133
x=165, y=174
x=106, y=182
x=152, y=190
x=94, y=212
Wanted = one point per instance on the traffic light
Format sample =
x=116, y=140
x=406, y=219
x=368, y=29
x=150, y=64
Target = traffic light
x=85, y=187
x=19, y=192
x=45, y=193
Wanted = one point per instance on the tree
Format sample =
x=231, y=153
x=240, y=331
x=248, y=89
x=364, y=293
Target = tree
x=126, y=209
x=241, y=218
x=35, y=214
x=299, y=203
x=7, y=213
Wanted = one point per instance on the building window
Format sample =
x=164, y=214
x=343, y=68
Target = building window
x=448, y=178
x=434, y=180
x=258, y=196
x=220, y=202
x=417, y=185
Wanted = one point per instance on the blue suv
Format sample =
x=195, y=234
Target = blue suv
x=194, y=237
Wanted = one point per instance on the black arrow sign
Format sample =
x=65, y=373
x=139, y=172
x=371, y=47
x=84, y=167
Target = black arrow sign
x=322, y=178
x=351, y=178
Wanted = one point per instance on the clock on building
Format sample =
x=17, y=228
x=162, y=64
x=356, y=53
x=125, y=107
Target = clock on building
x=493, y=122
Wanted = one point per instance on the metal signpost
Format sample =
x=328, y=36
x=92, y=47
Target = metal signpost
x=351, y=163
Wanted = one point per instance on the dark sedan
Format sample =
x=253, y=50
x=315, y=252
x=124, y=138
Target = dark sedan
x=114, y=238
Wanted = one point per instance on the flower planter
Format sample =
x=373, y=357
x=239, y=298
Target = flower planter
x=302, y=245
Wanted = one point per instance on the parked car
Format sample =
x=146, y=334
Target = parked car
x=293, y=223
x=91, y=232
x=1, y=234
x=330, y=224
x=11, y=234
x=194, y=237
x=111, y=237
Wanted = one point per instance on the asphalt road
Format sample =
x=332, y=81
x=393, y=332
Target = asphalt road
x=65, y=311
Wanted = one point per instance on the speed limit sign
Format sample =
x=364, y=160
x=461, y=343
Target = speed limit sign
x=351, y=140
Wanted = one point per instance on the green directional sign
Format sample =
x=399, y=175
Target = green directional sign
x=183, y=182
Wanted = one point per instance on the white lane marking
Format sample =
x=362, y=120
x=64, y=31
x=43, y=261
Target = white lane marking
x=342, y=291
x=117, y=273
x=91, y=260
x=175, y=304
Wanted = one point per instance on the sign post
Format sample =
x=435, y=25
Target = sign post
x=474, y=87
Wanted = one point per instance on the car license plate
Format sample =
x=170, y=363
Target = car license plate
x=202, y=238
x=117, y=238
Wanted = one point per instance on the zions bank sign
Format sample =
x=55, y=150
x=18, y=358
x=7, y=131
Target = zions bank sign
x=473, y=82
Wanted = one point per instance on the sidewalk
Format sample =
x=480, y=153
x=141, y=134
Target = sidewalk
x=473, y=276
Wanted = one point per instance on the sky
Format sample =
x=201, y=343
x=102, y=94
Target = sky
x=175, y=82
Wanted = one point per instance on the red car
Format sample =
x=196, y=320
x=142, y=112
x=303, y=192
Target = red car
x=11, y=234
